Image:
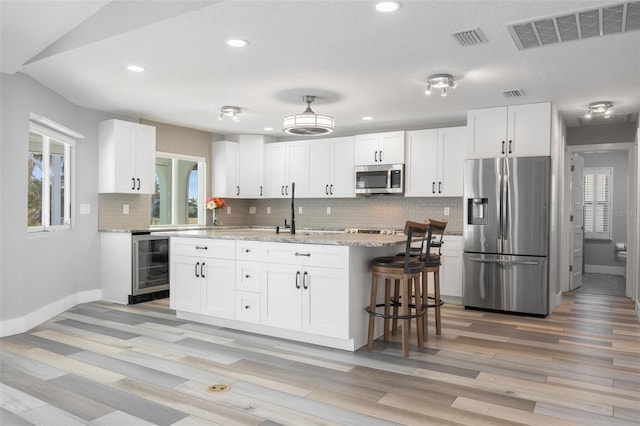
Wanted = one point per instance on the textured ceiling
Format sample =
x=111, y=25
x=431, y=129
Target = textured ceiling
x=355, y=60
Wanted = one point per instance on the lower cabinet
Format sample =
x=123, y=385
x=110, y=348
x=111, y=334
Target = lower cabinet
x=305, y=298
x=203, y=276
x=451, y=269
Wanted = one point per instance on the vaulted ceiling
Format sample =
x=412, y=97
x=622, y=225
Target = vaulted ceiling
x=356, y=61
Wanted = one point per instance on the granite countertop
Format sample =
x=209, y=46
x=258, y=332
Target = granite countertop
x=301, y=236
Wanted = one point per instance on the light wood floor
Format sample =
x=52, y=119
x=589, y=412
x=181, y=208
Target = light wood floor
x=106, y=364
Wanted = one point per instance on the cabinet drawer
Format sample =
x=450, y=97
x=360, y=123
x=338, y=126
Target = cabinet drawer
x=248, y=250
x=248, y=276
x=452, y=243
x=306, y=254
x=248, y=306
x=204, y=247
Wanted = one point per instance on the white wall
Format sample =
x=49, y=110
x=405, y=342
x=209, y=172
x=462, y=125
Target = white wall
x=42, y=275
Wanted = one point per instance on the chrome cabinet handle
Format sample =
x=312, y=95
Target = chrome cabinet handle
x=202, y=270
x=375, y=157
x=381, y=156
x=197, y=265
x=304, y=280
x=202, y=248
x=303, y=254
x=297, y=278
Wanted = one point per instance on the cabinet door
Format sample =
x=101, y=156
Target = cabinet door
x=320, y=168
x=280, y=298
x=452, y=143
x=529, y=130
x=451, y=269
x=422, y=167
x=186, y=284
x=391, y=147
x=275, y=169
x=248, y=276
x=366, y=149
x=119, y=151
x=251, y=168
x=225, y=169
x=325, y=302
x=219, y=295
x=145, y=159
x=298, y=166
x=487, y=132
x=343, y=183
x=248, y=306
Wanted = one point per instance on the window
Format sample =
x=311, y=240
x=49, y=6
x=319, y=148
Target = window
x=597, y=203
x=49, y=183
x=180, y=189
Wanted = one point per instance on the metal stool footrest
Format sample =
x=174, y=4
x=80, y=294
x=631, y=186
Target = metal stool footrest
x=391, y=316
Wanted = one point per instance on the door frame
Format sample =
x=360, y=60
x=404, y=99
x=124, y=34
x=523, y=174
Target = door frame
x=632, y=225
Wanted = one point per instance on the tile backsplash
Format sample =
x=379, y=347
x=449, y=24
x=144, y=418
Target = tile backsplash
x=373, y=212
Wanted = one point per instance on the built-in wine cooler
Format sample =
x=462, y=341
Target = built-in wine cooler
x=150, y=270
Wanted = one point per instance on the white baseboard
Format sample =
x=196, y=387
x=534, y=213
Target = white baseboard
x=21, y=324
x=599, y=269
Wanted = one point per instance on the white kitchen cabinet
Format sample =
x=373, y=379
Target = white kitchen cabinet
x=305, y=288
x=238, y=168
x=435, y=162
x=518, y=131
x=285, y=163
x=331, y=168
x=379, y=148
x=451, y=269
x=203, y=276
x=247, y=298
x=126, y=157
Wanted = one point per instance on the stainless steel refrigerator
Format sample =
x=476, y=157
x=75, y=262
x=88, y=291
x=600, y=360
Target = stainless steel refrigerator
x=506, y=234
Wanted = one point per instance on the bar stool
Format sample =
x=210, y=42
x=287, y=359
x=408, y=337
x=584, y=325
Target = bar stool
x=432, y=265
x=408, y=271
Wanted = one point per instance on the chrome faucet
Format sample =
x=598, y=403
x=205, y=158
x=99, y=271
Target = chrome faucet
x=292, y=227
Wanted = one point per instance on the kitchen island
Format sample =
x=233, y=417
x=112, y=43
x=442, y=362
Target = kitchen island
x=310, y=287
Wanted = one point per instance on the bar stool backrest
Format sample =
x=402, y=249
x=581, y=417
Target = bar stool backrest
x=434, y=237
x=416, y=232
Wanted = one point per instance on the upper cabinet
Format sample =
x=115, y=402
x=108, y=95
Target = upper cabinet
x=238, y=169
x=331, y=168
x=286, y=163
x=518, y=131
x=379, y=148
x=126, y=155
x=435, y=162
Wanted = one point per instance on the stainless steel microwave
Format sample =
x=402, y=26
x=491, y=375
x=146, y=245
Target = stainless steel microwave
x=380, y=179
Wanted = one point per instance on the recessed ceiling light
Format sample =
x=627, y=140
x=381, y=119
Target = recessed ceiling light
x=387, y=6
x=236, y=42
x=135, y=68
x=268, y=129
x=367, y=118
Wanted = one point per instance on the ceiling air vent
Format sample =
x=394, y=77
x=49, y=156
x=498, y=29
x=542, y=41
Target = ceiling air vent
x=470, y=37
x=517, y=93
x=578, y=25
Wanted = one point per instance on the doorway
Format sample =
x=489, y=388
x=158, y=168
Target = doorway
x=600, y=217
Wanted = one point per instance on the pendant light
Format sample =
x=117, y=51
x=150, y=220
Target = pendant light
x=308, y=123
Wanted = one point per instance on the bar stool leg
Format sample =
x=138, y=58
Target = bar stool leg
x=387, y=304
x=425, y=298
x=406, y=295
x=396, y=295
x=436, y=296
x=419, y=310
x=372, y=307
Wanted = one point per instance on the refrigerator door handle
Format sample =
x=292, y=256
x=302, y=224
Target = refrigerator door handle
x=504, y=262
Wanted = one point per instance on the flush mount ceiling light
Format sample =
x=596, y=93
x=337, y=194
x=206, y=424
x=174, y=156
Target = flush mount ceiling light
x=308, y=123
x=440, y=81
x=135, y=68
x=599, y=108
x=237, y=42
x=230, y=111
x=387, y=6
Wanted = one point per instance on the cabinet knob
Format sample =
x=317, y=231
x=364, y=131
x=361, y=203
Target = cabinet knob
x=247, y=306
x=247, y=276
x=247, y=250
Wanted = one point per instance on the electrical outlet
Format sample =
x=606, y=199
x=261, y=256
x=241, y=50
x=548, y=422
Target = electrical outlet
x=252, y=209
x=299, y=209
x=268, y=210
x=228, y=209
x=85, y=208
x=125, y=209
x=446, y=211
x=328, y=210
